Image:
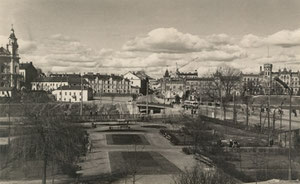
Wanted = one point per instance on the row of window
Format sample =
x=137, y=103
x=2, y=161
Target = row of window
x=70, y=93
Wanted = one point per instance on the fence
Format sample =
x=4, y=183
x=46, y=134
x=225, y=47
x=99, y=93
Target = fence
x=117, y=117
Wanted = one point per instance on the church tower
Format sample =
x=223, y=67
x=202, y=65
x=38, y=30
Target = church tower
x=13, y=48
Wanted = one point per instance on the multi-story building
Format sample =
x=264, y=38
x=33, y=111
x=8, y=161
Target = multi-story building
x=139, y=79
x=29, y=73
x=51, y=83
x=188, y=84
x=264, y=82
x=108, y=83
x=73, y=93
x=9, y=64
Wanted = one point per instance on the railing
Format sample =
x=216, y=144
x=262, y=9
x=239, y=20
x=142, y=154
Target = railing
x=116, y=117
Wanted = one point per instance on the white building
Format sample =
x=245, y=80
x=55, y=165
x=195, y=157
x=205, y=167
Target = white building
x=72, y=94
x=51, y=83
x=7, y=92
x=134, y=79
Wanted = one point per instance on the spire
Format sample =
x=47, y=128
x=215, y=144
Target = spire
x=167, y=73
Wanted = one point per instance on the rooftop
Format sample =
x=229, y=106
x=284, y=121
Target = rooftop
x=71, y=80
x=72, y=88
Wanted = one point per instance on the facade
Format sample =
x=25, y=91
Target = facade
x=184, y=84
x=135, y=90
x=7, y=92
x=52, y=83
x=73, y=94
x=263, y=80
x=186, y=75
x=108, y=83
x=139, y=79
x=9, y=63
x=29, y=73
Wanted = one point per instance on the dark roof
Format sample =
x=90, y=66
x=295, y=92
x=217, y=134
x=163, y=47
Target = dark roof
x=104, y=77
x=72, y=88
x=3, y=51
x=200, y=79
x=142, y=75
x=26, y=65
x=64, y=75
x=71, y=80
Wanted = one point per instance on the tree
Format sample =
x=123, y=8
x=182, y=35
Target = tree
x=177, y=99
x=199, y=175
x=226, y=80
x=49, y=138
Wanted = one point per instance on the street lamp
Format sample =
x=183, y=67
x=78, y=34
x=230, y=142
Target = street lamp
x=290, y=122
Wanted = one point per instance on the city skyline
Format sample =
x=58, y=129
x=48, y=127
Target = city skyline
x=119, y=36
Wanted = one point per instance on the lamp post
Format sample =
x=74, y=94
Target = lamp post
x=290, y=123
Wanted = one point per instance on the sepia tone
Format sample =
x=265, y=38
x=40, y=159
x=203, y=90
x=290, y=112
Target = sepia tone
x=149, y=92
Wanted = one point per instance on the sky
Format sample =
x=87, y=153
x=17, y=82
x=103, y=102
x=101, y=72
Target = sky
x=116, y=36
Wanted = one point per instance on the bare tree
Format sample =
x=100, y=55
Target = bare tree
x=43, y=136
x=199, y=175
x=226, y=79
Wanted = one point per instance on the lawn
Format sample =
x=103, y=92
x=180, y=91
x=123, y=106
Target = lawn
x=142, y=162
x=126, y=139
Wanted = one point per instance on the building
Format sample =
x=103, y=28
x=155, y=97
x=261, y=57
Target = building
x=101, y=84
x=51, y=83
x=263, y=81
x=9, y=63
x=135, y=90
x=139, y=79
x=29, y=73
x=73, y=93
x=186, y=75
x=7, y=92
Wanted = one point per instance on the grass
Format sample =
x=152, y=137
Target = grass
x=126, y=139
x=146, y=163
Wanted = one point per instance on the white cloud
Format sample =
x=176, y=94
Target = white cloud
x=251, y=40
x=285, y=38
x=167, y=40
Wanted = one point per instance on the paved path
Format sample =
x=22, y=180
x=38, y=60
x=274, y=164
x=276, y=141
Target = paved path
x=97, y=162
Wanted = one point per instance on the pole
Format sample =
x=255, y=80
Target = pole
x=9, y=122
x=290, y=135
x=260, y=118
x=234, y=109
x=247, y=112
x=281, y=111
x=147, y=97
x=269, y=101
x=81, y=104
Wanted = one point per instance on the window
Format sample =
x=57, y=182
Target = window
x=65, y=93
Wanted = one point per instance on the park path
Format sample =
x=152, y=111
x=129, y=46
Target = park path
x=97, y=161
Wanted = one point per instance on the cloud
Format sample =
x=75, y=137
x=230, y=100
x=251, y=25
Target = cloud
x=251, y=40
x=285, y=38
x=167, y=40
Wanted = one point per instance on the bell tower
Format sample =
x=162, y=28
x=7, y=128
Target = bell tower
x=13, y=47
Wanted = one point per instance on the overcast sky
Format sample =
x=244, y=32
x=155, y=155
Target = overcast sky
x=120, y=35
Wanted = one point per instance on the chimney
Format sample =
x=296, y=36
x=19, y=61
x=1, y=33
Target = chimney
x=260, y=68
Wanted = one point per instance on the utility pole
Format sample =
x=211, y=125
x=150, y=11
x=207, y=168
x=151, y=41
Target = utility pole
x=269, y=101
x=290, y=89
x=290, y=134
x=147, y=97
x=9, y=122
x=81, y=103
x=234, y=109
